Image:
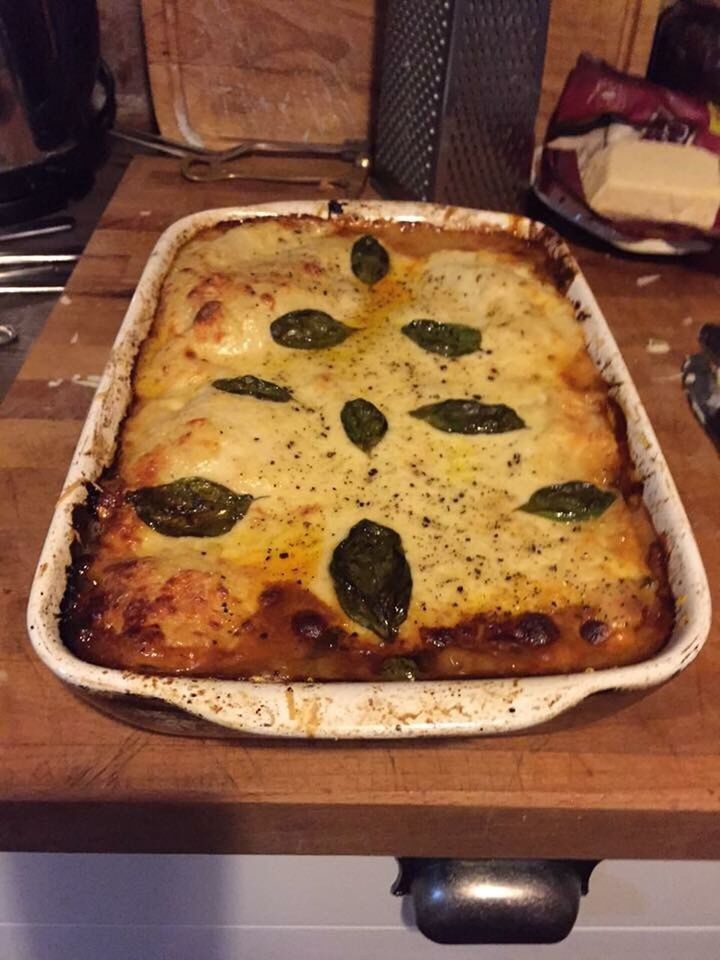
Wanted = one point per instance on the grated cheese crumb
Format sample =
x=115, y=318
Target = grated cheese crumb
x=657, y=346
x=89, y=380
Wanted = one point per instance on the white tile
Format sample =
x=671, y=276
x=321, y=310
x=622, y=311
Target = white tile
x=668, y=893
x=307, y=891
x=124, y=888
x=71, y=942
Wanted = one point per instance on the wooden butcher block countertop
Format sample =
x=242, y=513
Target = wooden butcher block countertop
x=623, y=775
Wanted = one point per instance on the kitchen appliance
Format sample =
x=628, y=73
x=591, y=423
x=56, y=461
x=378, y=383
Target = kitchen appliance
x=56, y=100
x=458, y=96
x=686, y=49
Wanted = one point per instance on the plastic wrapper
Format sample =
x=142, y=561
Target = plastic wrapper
x=601, y=107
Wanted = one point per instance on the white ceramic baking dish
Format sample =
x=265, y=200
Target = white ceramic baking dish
x=355, y=710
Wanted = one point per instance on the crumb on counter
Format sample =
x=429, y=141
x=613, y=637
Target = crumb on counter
x=657, y=346
x=86, y=380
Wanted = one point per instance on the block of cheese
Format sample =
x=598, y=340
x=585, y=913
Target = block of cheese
x=648, y=180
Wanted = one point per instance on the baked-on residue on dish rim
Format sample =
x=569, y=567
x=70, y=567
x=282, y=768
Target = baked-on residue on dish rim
x=355, y=710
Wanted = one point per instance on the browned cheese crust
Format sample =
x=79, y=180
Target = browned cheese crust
x=496, y=591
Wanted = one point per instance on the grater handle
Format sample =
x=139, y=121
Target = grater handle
x=494, y=901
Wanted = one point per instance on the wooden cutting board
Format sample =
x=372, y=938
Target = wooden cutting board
x=274, y=69
x=623, y=775
x=303, y=69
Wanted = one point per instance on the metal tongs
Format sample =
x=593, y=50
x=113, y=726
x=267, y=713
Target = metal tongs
x=20, y=266
x=204, y=166
x=24, y=266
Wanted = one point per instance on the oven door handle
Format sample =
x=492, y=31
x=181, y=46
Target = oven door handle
x=494, y=901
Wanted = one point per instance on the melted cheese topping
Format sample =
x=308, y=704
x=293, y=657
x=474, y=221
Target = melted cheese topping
x=453, y=499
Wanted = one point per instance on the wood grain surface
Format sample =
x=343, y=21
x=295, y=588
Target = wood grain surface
x=622, y=776
x=123, y=49
x=263, y=69
x=619, y=31
x=303, y=69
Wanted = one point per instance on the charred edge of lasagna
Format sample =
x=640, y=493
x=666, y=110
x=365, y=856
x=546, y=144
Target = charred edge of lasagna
x=545, y=248
x=305, y=641
x=630, y=484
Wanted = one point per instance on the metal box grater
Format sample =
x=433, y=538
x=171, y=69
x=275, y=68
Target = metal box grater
x=458, y=96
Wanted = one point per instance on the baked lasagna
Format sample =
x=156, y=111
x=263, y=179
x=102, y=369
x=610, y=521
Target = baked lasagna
x=366, y=451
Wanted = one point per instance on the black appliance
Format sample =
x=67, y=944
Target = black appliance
x=56, y=101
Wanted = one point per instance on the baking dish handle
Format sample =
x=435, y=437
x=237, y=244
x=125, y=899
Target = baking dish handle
x=494, y=901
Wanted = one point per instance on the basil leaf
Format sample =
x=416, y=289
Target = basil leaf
x=308, y=330
x=569, y=502
x=469, y=416
x=190, y=507
x=369, y=260
x=399, y=668
x=364, y=424
x=447, y=339
x=372, y=578
x=250, y=386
